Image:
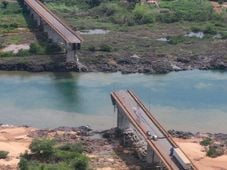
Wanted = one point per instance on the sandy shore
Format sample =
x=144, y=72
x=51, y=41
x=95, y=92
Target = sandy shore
x=15, y=141
x=198, y=155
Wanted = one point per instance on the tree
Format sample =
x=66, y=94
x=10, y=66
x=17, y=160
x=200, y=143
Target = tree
x=5, y=4
x=93, y=3
x=42, y=148
x=79, y=163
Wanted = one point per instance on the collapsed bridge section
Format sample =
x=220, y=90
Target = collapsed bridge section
x=161, y=148
x=57, y=31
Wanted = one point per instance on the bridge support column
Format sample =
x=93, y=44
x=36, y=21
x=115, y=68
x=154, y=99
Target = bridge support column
x=122, y=120
x=37, y=18
x=152, y=158
x=71, y=56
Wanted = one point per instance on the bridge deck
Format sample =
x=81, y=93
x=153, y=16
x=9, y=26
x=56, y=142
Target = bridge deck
x=54, y=22
x=142, y=119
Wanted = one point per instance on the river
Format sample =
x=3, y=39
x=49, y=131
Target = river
x=190, y=100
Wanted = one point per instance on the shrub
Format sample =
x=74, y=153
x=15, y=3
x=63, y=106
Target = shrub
x=62, y=155
x=23, y=164
x=52, y=48
x=78, y=147
x=23, y=53
x=79, y=163
x=42, y=148
x=168, y=17
x=36, y=48
x=91, y=48
x=210, y=30
x=224, y=35
x=176, y=39
x=3, y=154
x=5, y=4
x=93, y=3
x=189, y=10
x=206, y=142
x=196, y=29
x=214, y=152
x=143, y=14
x=108, y=9
x=220, y=1
x=123, y=19
x=105, y=47
x=6, y=54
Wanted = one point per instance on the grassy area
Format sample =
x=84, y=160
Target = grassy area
x=11, y=17
x=47, y=154
x=14, y=29
x=134, y=27
x=131, y=13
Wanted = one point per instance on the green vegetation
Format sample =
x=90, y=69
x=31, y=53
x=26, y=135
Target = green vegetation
x=47, y=154
x=214, y=152
x=193, y=10
x=42, y=148
x=134, y=27
x=206, y=142
x=131, y=13
x=11, y=17
x=105, y=47
x=5, y=4
x=3, y=154
x=130, y=21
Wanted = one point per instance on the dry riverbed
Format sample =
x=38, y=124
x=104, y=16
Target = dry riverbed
x=104, y=153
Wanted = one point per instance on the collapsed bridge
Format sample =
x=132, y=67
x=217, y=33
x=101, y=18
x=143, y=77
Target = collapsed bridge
x=161, y=148
x=56, y=30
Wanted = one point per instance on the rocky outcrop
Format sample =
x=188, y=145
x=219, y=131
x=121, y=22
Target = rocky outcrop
x=148, y=64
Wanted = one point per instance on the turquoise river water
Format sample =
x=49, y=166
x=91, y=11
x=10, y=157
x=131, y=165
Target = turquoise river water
x=191, y=100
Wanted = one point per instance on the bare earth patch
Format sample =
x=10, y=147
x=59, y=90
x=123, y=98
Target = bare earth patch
x=103, y=155
x=219, y=8
x=16, y=48
x=15, y=141
x=197, y=154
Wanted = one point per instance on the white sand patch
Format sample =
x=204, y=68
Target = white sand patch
x=15, y=48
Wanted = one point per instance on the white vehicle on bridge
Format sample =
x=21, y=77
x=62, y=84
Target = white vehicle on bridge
x=181, y=158
x=150, y=136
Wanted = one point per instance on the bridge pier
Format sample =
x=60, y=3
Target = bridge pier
x=152, y=157
x=122, y=120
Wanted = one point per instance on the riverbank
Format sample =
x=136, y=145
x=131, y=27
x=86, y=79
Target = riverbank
x=111, y=43
x=97, y=62
x=104, y=153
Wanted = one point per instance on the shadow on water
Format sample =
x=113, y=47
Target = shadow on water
x=66, y=86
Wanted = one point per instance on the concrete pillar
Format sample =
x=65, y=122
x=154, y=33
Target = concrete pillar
x=37, y=18
x=122, y=120
x=152, y=157
x=71, y=56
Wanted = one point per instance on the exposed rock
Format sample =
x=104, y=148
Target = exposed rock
x=146, y=63
x=181, y=134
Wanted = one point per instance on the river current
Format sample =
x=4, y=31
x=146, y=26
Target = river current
x=190, y=100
